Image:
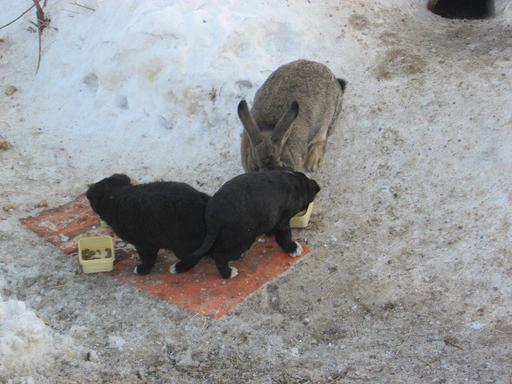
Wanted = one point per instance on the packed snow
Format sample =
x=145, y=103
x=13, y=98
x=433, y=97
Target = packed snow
x=410, y=276
x=25, y=341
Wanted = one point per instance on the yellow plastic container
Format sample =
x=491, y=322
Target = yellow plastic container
x=301, y=220
x=96, y=243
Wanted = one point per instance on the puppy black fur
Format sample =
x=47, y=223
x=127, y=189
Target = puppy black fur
x=250, y=205
x=151, y=216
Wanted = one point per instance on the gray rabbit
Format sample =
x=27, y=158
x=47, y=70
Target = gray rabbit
x=293, y=113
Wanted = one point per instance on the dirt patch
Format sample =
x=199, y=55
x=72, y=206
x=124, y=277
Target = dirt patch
x=10, y=90
x=358, y=22
x=5, y=145
x=389, y=38
x=399, y=62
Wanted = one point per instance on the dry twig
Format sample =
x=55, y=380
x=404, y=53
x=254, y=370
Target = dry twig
x=19, y=17
x=42, y=23
x=85, y=6
x=452, y=342
x=424, y=361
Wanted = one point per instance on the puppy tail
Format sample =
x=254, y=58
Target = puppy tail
x=208, y=242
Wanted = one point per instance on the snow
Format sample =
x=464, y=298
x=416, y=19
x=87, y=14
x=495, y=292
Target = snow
x=95, y=87
x=116, y=341
x=25, y=341
x=415, y=207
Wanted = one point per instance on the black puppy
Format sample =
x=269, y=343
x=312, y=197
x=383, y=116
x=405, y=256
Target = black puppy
x=151, y=216
x=250, y=205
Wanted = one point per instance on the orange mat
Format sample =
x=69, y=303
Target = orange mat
x=201, y=290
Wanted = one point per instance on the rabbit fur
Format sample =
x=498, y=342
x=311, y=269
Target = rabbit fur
x=293, y=113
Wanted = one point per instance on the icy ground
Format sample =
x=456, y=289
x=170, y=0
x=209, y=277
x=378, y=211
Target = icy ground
x=410, y=279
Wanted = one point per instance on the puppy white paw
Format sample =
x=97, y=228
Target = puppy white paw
x=298, y=250
x=234, y=272
x=172, y=269
x=135, y=270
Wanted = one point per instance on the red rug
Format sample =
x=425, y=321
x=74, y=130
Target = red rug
x=201, y=290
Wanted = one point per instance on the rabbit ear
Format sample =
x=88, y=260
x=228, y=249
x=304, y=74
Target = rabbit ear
x=248, y=122
x=282, y=129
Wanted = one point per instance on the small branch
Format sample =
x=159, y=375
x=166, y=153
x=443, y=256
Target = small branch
x=85, y=6
x=424, y=361
x=39, y=50
x=19, y=17
x=452, y=342
x=360, y=378
x=39, y=12
x=42, y=23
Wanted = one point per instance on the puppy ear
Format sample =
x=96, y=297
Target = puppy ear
x=93, y=194
x=120, y=179
x=313, y=187
x=317, y=187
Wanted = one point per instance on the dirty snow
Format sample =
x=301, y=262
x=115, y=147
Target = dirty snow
x=410, y=277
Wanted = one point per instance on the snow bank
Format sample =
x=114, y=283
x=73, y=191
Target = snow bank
x=131, y=86
x=25, y=341
x=153, y=84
